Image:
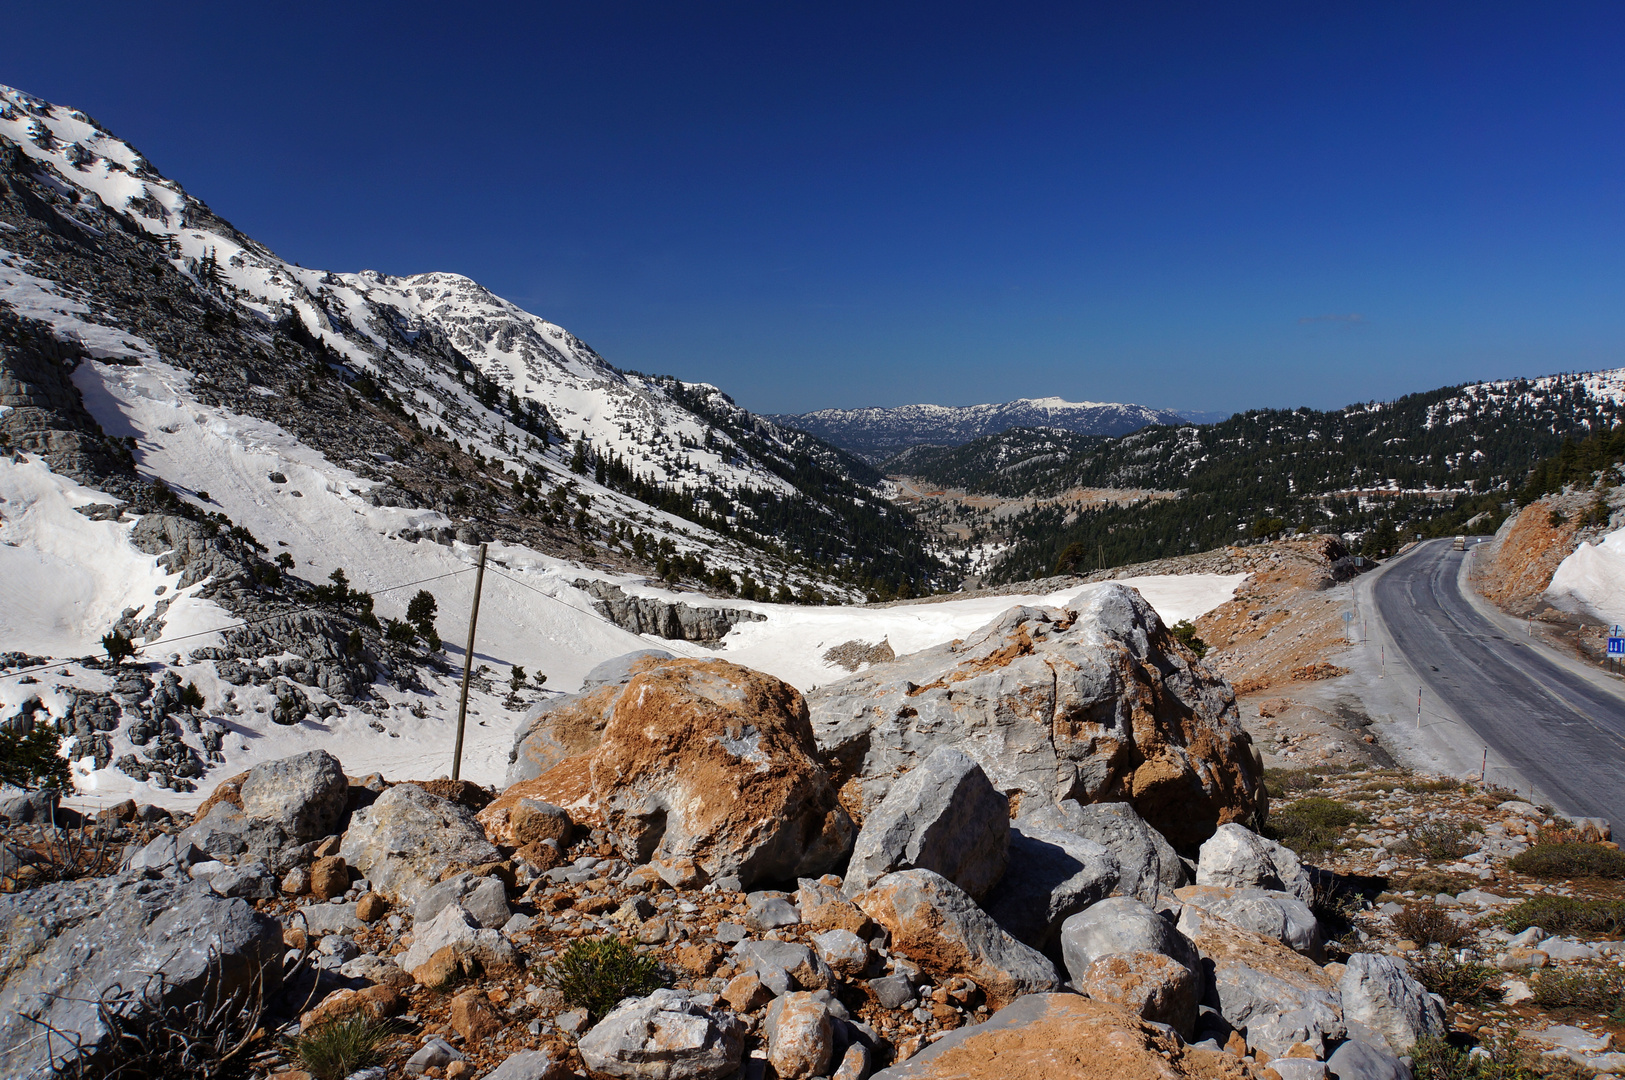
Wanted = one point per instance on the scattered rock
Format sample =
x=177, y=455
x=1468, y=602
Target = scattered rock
x=1236, y=856
x=456, y=929
x=473, y=1018
x=823, y=905
x=405, y=840
x=532, y=821
x=668, y=1035
x=1380, y=993
x=371, y=907
x=482, y=897
x=329, y=877
x=1151, y=985
x=532, y=1065
x=800, y=1036
x=845, y=952
x=938, y=926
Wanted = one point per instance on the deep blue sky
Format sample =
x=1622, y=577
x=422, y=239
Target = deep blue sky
x=1200, y=206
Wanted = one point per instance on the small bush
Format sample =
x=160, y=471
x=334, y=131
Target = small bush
x=1444, y=839
x=1565, y=915
x=29, y=759
x=1461, y=982
x=1570, y=861
x=596, y=974
x=1433, y=1058
x=35, y=858
x=1312, y=824
x=1185, y=631
x=1580, y=988
x=340, y=1047
x=1426, y=925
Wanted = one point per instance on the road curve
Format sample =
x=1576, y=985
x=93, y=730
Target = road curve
x=1564, y=734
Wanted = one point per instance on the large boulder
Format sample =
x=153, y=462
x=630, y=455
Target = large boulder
x=1236, y=856
x=936, y=925
x=154, y=936
x=1260, y=985
x=706, y=763
x=305, y=794
x=485, y=898
x=1274, y=914
x=1095, y=701
x=1119, y=926
x=1063, y=1035
x=405, y=842
x=669, y=1035
x=1052, y=876
x=454, y=928
x=800, y=1033
x=1148, y=865
x=943, y=816
x=566, y=726
x=1380, y=993
x=231, y=836
x=1152, y=986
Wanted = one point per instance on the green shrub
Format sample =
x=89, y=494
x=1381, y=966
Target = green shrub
x=1580, y=988
x=1426, y=925
x=1565, y=915
x=1312, y=824
x=1185, y=631
x=30, y=760
x=1444, y=839
x=1570, y=861
x=596, y=974
x=1461, y=982
x=334, y=1050
x=1433, y=1058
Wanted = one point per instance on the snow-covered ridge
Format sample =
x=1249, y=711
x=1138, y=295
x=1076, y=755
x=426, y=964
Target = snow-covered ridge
x=883, y=431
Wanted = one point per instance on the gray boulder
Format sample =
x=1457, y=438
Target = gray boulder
x=1052, y=876
x=405, y=840
x=1148, y=864
x=165, y=853
x=1380, y=993
x=935, y=924
x=669, y=1035
x=944, y=816
x=532, y=1065
x=485, y=898
x=1119, y=926
x=304, y=794
x=231, y=836
x=66, y=945
x=456, y=928
x=1358, y=1059
x=1056, y=704
x=1274, y=914
x=783, y=966
x=251, y=881
x=1238, y=857
x=29, y=807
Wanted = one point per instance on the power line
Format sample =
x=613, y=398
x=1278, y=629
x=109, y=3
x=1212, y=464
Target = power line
x=236, y=625
x=561, y=603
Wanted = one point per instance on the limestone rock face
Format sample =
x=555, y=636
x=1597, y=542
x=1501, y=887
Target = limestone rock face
x=705, y=762
x=304, y=794
x=1236, y=856
x=1381, y=994
x=1152, y=986
x=66, y=944
x=1119, y=926
x=1063, y=1035
x=1277, y=915
x=936, y=925
x=1094, y=701
x=1053, y=876
x=564, y=727
x=943, y=816
x=1148, y=865
x=1279, y=997
x=668, y=1035
x=405, y=840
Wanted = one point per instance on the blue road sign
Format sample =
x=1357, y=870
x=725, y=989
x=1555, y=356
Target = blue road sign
x=1616, y=646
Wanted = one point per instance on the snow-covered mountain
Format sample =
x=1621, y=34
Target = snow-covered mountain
x=878, y=433
x=196, y=435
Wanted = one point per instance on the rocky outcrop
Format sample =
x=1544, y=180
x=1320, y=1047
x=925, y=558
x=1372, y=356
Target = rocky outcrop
x=69, y=944
x=671, y=619
x=937, y=926
x=1054, y=875
x=1147, y=864
x=1094, y=702
x=942, y=816
x=406, y=841
x=700, y=762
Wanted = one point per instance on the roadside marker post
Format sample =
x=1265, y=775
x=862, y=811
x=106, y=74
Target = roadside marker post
x=468, y=664
x=1616, y=648
x=1418, y=708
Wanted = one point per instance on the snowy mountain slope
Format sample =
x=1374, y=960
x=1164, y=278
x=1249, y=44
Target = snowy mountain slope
x=878, y=433
x=196, y=435
x=445, y=355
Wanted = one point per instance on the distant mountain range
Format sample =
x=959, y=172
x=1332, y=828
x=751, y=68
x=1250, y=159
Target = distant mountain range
x=878, y=434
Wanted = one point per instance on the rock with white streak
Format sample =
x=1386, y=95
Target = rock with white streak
x=669, y=1035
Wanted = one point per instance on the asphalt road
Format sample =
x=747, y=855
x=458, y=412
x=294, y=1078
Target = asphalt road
x=1563, y=733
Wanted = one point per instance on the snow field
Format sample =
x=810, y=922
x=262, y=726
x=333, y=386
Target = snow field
x=1592, y=579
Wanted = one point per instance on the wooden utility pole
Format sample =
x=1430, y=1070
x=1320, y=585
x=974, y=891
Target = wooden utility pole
x=468, y=665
